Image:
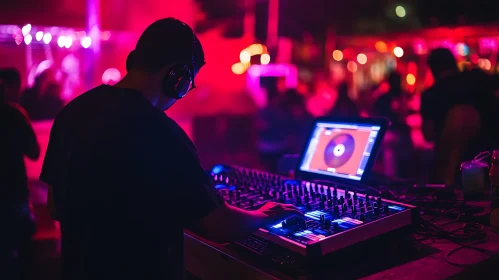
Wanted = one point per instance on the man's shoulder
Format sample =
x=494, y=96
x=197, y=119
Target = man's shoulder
x=171, y=127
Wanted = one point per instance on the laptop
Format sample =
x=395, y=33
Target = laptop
x=341, y=150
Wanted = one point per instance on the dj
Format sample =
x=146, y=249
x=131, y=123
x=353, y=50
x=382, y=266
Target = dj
x=124, y=179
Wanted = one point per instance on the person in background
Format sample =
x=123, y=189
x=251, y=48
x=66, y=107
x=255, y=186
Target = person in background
x=344, y=105
x=458, y=114
x=43, y=101
x=397, y=147
x=282, y=126
x=17, y=141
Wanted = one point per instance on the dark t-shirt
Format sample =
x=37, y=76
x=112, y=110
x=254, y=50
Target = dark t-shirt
x=473, y=88
x=18, y=139
x=126, y=181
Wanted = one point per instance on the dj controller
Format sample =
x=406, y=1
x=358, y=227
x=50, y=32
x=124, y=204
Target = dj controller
x=334, y=216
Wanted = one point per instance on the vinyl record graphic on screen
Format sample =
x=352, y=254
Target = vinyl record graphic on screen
x=339, y=150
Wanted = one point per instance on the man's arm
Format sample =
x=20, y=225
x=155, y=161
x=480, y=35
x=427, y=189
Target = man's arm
x=227, y=223
x=206, y=214
x=28, y=137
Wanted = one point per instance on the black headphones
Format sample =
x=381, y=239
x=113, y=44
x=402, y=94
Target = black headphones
x=180, y=78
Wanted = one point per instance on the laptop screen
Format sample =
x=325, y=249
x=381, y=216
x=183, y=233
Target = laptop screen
x=340, y=149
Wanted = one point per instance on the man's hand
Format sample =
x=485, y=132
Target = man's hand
x=275, y=212
x=228, y=223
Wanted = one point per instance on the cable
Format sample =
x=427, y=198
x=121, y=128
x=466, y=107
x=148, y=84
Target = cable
x=466, y=236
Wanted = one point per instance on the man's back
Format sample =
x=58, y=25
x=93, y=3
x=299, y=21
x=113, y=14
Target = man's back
x=110, y=159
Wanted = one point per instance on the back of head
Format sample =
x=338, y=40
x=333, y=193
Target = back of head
x=10, y=84
x=164, y=42
x=441, y=61
x=395, y=82
x=343, y=89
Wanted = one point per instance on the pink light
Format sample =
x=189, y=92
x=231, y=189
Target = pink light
x=26, y=29
x=61, y=42
x=86, y=42
x=288, y=71
x=420, y=47
x=39, y=35
x=111, y=76
x=47, y=37
x=27, y=39
x=68, y=42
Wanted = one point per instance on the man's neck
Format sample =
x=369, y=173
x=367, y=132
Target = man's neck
x=135, y=82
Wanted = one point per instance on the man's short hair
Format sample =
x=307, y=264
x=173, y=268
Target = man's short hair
x=164, y=42
x=440, y=60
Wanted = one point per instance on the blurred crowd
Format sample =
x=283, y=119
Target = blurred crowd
x=457, y=113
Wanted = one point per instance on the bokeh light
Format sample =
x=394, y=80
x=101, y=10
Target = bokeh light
x=27, y=39
x=462, y=49
x=411, y=79
x=337, y=55
x=400, y=11
x=61, y=42
x=86, y=42
x=362, y=58
x=381, y=47
x=245, y=56
x=398, y=51
x=265, y=58
x=238, y=68
x=26, y=29
x=39, y=35
x=352, y=66
x=68, y=42
x=111, y=76
x=47, y=37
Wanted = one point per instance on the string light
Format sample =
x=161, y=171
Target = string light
x=66, y=36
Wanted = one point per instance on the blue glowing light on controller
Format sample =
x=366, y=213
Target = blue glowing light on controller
x=316, y=215
x=394, y=207
x=279, y=225
x=217, y=169
x=222, y=186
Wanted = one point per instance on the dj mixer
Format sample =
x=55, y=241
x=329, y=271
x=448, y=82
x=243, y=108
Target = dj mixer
x=330, y=187
x=334, y=217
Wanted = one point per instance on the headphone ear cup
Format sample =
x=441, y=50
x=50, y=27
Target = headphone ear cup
x=177, y=83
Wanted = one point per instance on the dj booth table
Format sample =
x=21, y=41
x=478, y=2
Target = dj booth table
x=397, y=259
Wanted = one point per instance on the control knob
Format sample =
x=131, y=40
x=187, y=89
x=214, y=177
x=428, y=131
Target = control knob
x=327, y=223
x=350, y=202
x=386, y=209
